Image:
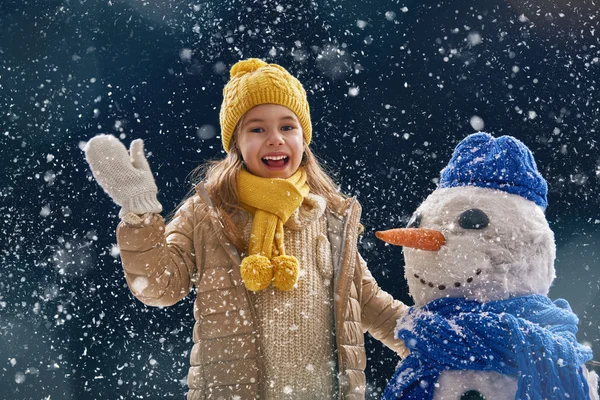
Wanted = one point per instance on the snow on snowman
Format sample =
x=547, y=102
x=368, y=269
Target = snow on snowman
x=479, y=257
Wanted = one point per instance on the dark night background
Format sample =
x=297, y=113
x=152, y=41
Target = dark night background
x=393, y=87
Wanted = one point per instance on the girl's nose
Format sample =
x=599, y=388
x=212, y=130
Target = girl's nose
x=275, y=138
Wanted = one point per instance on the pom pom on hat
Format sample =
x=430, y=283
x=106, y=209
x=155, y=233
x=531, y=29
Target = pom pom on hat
x=254, y=82
x=503, y=163
x=245, y=66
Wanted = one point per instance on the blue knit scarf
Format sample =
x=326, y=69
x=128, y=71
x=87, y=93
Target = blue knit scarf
x=529, y=337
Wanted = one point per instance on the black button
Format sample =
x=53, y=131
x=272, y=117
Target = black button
x=472, y=395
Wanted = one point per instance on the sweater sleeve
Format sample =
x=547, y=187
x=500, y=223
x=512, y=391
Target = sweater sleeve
x=380, y=311
x=158, y=260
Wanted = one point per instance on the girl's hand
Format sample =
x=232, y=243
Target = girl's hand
x=125, y=176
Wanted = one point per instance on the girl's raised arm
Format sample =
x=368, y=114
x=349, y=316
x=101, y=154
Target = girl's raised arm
x=158, y=260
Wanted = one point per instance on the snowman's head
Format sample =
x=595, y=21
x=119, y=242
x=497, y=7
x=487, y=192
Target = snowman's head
x=482, y=234
x=476, y=243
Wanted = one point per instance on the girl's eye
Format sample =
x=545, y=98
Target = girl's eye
x=256, y=130
x=287, y=128
x=414, y=221
x=473, y=219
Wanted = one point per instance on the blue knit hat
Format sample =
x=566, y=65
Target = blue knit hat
x=504, y=164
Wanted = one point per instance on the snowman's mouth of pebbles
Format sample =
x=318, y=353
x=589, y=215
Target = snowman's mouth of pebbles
x=443, y=286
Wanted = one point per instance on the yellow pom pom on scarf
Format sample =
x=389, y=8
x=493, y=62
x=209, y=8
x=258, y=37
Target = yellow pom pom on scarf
x=271, y=201
x=257, y=272
x=285, y=272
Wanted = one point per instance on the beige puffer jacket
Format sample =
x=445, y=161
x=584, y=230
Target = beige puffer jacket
x=162, y=263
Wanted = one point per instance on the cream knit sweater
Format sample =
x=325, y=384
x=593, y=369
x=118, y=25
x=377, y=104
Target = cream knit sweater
x=296, y=327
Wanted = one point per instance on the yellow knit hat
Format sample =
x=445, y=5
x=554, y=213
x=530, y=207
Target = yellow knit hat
x=254, y=82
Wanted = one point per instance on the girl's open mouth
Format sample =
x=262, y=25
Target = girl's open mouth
x=275, y=161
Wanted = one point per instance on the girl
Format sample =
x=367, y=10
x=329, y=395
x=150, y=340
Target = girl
x=283, y=296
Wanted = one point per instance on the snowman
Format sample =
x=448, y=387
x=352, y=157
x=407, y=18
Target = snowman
x=479, y=258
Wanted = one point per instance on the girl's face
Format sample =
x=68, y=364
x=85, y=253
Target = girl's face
x=271, y=141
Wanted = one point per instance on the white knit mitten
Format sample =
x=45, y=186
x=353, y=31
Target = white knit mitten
x=126, y=177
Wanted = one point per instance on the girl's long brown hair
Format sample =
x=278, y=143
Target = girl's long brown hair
x=220, y=181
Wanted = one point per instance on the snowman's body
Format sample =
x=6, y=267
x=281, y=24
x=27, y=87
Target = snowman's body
x=452, y=385
x=495, y=245
x=456, y=385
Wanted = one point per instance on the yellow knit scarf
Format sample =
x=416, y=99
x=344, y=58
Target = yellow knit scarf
x=271, y=201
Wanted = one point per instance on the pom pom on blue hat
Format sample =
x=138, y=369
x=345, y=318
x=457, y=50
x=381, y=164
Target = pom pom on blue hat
x=503, y=163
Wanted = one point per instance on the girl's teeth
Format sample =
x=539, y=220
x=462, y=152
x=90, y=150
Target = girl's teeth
x=276, y=161
x=275, y=158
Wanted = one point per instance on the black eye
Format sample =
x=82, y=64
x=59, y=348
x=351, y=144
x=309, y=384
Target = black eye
x=472, y=395
x=414, y=221
x=473, y=219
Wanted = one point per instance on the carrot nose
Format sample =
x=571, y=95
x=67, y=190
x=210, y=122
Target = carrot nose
x=417, y=238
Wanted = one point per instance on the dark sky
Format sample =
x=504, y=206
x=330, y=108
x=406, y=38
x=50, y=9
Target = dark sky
x=393, y=87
